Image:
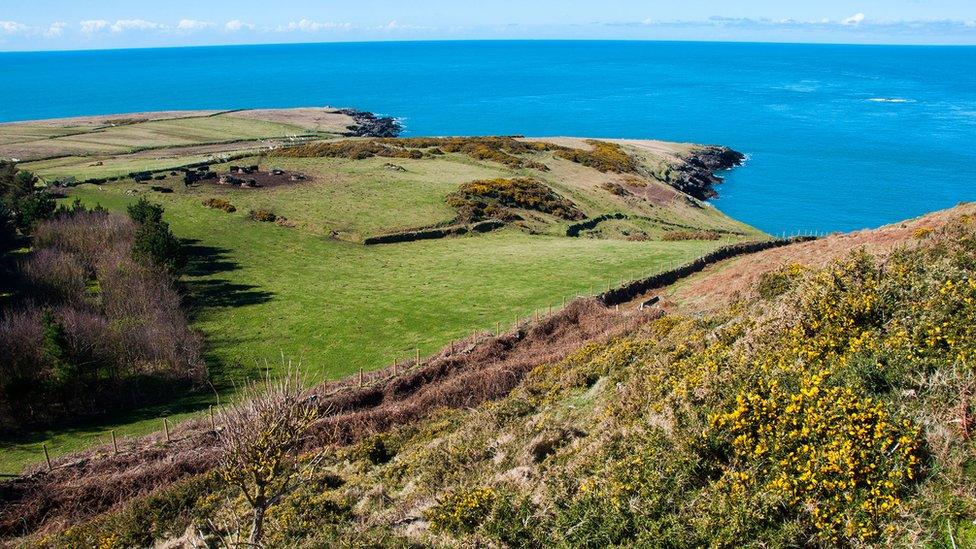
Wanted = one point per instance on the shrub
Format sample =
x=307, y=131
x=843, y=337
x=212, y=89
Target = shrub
x=262, y=215
x=8, y=228
x=504, y=150
x=373, y=450
x=461, y=512
x=156, y=245
x=93, y=331
x=778, y=282
x=690, y=235
x=219, y=204
x=33, y=208
x=604, y=157
x=145, y=211
x=484, y=199
x=614, y=188
x=261, y=439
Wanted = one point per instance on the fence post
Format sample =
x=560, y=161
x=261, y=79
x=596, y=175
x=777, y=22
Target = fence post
x=360, y=376
x=115, y=444
x=213, y=422
x=47, y=458
x=417, y=359
x=166, y=428
x=498, y=328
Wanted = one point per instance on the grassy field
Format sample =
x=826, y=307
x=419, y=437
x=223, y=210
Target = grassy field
x=263, y=293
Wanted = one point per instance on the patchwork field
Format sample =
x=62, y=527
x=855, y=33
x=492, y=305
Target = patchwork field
x=307, y=289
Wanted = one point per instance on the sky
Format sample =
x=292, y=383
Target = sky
x=29, y=25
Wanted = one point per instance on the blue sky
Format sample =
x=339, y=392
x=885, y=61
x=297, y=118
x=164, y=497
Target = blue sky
x=64, y=24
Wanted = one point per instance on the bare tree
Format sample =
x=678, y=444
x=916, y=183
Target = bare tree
x=261, y=438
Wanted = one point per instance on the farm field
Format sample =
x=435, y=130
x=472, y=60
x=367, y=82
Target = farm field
x=307, y=290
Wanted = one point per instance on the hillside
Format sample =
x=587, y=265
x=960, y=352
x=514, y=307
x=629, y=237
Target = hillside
x=827, y=403
x=282, y=216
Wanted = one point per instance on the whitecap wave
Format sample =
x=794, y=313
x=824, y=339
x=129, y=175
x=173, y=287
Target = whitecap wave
x=890, y=100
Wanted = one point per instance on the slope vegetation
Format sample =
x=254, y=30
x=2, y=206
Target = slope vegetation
x=831, y=406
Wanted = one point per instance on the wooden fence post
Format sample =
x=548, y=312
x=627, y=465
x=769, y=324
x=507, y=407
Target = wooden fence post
x=47, y=458
x=417, y=359
x=115, y=444
x=498, y=328
x=360, y=376
x=213, y=422
x=166, y=428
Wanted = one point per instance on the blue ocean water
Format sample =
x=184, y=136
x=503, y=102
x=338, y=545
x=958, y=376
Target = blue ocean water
x=838, y=137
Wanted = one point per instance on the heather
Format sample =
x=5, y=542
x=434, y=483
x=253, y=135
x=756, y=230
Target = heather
x=95, y=323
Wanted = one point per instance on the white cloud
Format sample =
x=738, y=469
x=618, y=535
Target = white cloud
x=94, y=25
x=12, y=27
x=971, y=24
x=313, y=26
x=237, y=25
x=123, y=25
x=854, y=20
x=190, y=25
x=55, y=30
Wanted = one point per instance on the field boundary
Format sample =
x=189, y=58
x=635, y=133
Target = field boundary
x=433, y=234
x=629, y=291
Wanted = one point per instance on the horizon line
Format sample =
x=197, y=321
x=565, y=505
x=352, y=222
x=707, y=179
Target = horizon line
x=467, y=40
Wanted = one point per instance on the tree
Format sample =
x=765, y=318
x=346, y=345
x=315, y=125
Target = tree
x=144, y=211
x=261, y=438
x=155, y=244
x=8, y=228
x=33, y=208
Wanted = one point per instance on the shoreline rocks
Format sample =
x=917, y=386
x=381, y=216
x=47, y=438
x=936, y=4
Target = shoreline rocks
x=369, y=125
x=696, y=175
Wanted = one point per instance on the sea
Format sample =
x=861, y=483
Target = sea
x=838, y=137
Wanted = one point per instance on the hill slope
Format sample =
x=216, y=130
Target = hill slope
x=277, y=232
x=833, y=406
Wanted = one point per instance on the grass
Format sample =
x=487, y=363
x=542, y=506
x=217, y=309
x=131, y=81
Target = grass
x=261, y=293
x=266, y=291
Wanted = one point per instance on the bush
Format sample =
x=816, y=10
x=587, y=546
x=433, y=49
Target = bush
x=487, y=199
x=264, y=216
x=156, y=245
x=219, y=204
x=145, y=211
x=8, y=228
x=690, y=235
x=461, y=512
x=604, y=157
x=92, y=330
x=33, y=208
x=504, y=150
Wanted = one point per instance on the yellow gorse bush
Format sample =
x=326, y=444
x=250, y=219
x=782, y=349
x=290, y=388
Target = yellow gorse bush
x=841, y=457
x=461, y=511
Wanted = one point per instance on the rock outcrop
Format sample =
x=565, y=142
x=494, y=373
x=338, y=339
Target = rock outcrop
x=695, y=173
x=368, y=124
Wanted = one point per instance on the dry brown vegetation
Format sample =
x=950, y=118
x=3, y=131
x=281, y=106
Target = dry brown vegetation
x=674, y=236
x=92, y=329
x=475, y=370
x=503, y=150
